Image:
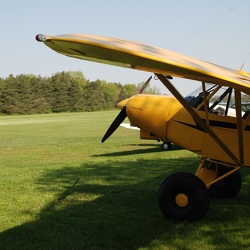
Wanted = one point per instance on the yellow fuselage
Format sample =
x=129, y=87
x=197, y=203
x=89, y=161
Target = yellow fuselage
x=164, y=118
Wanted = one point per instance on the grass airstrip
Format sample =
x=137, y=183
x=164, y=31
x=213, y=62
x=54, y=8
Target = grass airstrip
x=61, y=188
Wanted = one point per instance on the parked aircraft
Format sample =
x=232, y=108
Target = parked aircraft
x=202, y=122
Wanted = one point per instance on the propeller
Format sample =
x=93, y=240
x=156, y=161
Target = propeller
x=145, y=85
x=121, y=116
x=115, y=124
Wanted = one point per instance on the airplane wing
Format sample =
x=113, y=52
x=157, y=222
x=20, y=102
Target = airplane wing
x=135, y=55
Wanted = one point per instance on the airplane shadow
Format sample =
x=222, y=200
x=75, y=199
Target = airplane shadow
x=130, y=152
x=174, y=146
x=121, y=212
x=148, y=148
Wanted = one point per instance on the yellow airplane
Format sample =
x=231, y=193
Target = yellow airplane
x=203, y=123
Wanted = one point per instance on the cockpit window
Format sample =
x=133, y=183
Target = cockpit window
x=196, y=97
x=220, y=100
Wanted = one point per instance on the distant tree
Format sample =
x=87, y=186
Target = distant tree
x=40, y=103
x=27, y=96
x=78, y=77
x=62, y=92
x=148, y=90
x=76, y=96
x=129, y=89
x=9, y=97
x=59, y=92
x=110, y=92
x=125, y=91
x=66, y=94
x=94, y=99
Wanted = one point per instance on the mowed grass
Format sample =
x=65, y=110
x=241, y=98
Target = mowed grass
x=61, y=188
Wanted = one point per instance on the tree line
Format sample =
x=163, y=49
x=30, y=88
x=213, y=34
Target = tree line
x=62, y=92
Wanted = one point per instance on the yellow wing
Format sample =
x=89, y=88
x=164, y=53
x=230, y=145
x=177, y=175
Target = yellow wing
x=144, y=57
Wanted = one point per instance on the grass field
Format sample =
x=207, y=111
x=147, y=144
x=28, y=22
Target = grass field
x=61, y=188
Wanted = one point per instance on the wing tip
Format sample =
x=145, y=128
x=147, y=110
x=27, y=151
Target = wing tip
x=42, y=38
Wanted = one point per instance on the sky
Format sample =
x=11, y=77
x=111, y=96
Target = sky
x=217, y=31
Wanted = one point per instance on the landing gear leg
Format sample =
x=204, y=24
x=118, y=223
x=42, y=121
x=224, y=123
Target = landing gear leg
x=228, y=187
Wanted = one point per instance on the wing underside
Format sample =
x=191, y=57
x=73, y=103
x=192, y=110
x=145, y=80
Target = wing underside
x=145, y=57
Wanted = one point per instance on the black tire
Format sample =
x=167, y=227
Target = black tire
x=228, y=187
x=195, y=191
x=166, y=145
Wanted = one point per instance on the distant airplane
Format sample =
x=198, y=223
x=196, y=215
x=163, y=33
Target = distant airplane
x=202, y=122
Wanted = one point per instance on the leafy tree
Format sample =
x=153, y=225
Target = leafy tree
x=78, y=77
x=9, y=96
x=110, y=92
x=75, y=96
x=26, y=95
x=62, y=92
x=125, y=91
x=94, y=99
x=58, y=95
x=148, y=90
x=40, y=103
x=65, y=94
x=129, y=90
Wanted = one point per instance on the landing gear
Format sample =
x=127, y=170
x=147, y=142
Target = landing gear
x=183, y=196
x=166, y=145
x=228, y=187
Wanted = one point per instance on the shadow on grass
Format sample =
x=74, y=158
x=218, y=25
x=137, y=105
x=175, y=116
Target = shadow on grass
x=174, y=146
x=149, y=148
x=113, y=206
x=130, y=152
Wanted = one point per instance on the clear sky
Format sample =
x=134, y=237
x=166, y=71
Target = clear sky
x=216, y=31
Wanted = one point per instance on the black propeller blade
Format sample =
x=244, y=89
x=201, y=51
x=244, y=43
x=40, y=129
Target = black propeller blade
x=115, y=124
x=145, y=85
x=121, y=116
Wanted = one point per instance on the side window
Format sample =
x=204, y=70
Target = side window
x=220, y=100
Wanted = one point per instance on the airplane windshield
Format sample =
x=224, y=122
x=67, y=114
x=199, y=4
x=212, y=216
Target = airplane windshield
x=196, y=97
x=198, y=91
x=220, y=100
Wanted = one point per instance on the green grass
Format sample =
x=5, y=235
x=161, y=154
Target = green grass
x=61, y=188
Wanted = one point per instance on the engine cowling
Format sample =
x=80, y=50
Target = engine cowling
x=152, y=112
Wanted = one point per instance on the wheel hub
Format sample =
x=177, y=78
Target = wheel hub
x=181, y=200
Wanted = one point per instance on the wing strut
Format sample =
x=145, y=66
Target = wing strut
x=197, y=118
x=239, y=125
x=205, y=102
